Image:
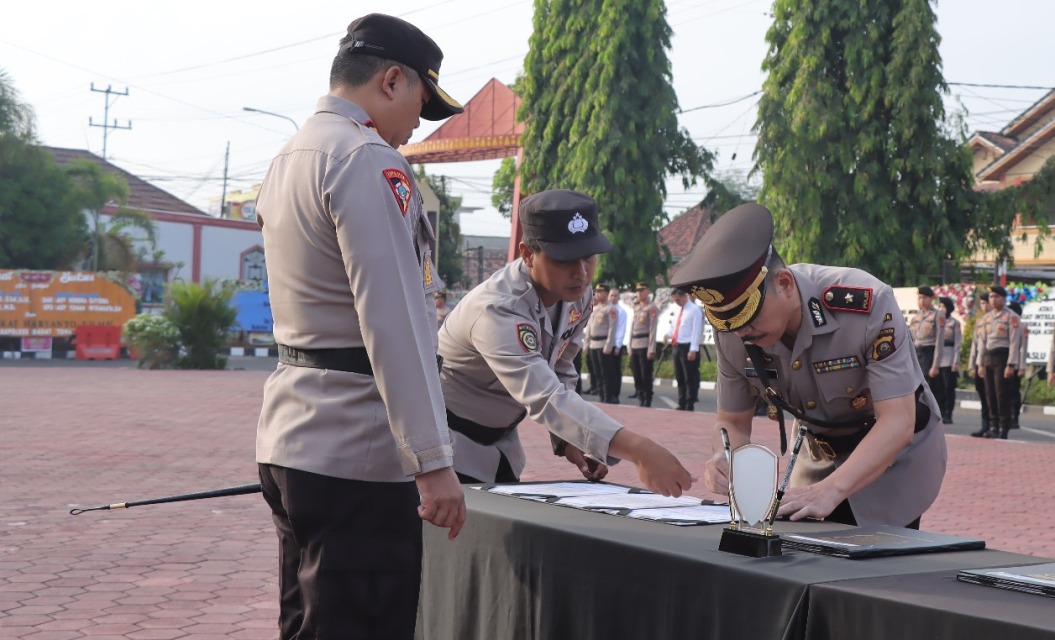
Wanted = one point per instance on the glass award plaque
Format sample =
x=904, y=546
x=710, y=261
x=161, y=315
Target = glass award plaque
x=752, y=496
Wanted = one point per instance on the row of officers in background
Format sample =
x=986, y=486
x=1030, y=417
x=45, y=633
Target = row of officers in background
x=997, y=360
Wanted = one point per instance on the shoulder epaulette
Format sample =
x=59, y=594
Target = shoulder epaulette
x=856, y=299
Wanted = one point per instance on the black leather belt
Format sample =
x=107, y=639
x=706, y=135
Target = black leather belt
x=838, y=445
x=350, y=359
x=949, y=343
x=479, y=433
x=604, y=337
x=640, y=335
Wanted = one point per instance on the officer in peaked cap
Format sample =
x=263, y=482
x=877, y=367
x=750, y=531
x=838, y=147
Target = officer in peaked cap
x=507, y=350
x=829, y=346
x=643, y=343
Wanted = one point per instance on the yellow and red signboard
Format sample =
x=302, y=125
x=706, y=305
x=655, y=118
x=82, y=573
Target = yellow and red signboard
x=54, y=303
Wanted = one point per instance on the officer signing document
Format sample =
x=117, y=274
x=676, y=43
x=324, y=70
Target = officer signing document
x=834, y=351
x=507, y=351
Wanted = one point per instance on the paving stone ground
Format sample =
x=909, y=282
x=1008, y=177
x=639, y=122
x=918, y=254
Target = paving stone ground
x=206, y=570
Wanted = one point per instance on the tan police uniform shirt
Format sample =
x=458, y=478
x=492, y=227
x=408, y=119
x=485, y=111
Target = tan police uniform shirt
x=603, y=322
x=1001, y=330
x=349, y=260
x=977, y=342
x=643, y=330
x=926, y=328
x=502, y=357
x=842, y=361
x=952, y=340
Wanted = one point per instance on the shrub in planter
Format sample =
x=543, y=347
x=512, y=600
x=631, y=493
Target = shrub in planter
x=154, y=340
x=204, y=314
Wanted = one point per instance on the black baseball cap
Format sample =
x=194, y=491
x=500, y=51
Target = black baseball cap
x=387, y=37
x=727, y=268
x=564, y=223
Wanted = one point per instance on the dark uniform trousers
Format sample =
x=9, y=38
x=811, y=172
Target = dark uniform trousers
x=925, y=355
x=999, y=391
x=595, y=363
x=337, y=577
x=641, y=367
x=613, y=375
x=687, y=374
x=979, y=387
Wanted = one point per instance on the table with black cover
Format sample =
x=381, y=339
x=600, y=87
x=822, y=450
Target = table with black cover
x=526, y=570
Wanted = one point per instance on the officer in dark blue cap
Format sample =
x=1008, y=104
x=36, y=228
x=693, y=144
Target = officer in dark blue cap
x=507, y=350
x=829, y=346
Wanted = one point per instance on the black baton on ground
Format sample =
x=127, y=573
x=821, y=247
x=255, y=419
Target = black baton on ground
x=215, y=493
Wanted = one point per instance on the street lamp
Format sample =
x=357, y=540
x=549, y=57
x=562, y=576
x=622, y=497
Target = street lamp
x=277, y=115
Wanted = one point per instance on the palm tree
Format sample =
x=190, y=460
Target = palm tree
x=111, y=247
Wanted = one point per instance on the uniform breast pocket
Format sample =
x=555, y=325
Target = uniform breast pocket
x=844, y=393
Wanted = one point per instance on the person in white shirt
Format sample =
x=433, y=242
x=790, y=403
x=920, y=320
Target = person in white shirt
x=613, y=357
x=685, y=340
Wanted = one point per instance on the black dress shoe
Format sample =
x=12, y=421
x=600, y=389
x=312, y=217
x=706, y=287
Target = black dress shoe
x=633, y=395
x=984, y=433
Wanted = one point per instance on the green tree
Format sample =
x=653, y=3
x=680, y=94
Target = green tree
x=600, y=117
x=203, y=314
x=502, y=187
x=112, y=244
x=41, y=225
x=858, y=165
x=449, y=233
x=723, y=195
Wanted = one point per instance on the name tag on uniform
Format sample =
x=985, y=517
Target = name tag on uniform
x=751, y=373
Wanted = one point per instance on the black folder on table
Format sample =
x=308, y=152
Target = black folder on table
x=877, y=542
x=1037, y=578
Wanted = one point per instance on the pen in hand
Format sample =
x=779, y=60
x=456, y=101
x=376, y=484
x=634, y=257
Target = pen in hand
x=787, y=473
x=729, y=463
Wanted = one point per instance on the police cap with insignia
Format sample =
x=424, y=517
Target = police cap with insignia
x=642, y=286
x=998, y=290
x=924, y=290
x=564, y=223
x=726, y=270
x=393, y=39
x=601, y=288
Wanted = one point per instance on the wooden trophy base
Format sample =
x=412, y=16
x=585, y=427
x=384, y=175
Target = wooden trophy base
x=749, y=543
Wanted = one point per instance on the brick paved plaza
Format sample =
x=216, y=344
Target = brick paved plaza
x=83, y=436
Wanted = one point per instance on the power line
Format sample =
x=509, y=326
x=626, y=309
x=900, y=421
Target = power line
x=722, y=104
x=998, y=86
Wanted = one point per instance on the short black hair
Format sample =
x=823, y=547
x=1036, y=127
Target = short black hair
x=533, y=244
x=356, y=69
x=775, y=264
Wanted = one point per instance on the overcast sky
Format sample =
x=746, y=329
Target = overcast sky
x=190, y=67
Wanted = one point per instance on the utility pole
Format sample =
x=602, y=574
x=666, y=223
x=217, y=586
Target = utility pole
x=223, y=196
x=106, y=126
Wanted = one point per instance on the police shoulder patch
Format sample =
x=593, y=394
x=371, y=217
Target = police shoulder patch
x=527, y=336
x=400, y=185
x=856, y=299
x=883, y=346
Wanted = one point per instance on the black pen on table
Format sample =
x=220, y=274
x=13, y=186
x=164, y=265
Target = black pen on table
x=787, y=473
x=729, y=473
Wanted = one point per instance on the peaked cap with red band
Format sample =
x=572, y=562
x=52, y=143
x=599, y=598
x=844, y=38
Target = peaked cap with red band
x=726, y=270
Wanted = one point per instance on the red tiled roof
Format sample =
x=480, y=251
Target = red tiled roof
x=486, y=130
x=141, y=194
x=682, y=233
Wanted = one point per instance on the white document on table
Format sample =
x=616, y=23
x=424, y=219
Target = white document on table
x=628, y=501
x=558, y=489
x=708, y=513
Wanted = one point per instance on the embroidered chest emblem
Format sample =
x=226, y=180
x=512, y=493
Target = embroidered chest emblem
x=574, y=316
x=837, y=364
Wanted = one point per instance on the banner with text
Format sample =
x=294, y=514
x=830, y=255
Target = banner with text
x=53, y=303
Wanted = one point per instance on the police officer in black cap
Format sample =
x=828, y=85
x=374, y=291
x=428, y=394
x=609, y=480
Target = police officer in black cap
x=999, y=356
x=927, y=328
x=352, y=443
x=829, y=346
x=507, y=351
